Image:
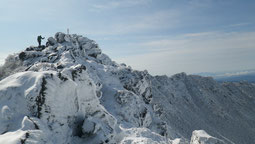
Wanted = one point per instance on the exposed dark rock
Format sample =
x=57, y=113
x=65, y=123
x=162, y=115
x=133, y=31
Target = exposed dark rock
x=40, y=99
x=62, y=77
x=22, y=141
x=22, y=56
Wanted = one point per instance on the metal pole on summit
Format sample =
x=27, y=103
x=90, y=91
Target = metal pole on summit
x=68, y=36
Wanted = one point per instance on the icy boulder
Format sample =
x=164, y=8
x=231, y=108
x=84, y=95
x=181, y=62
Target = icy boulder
x=83, y=40
x=144, y=136
x=89, y=127
x=60, y=37
x=52, y=41
x=94, y=52
x=6, y=113
x=16, y=137
x=201, y=137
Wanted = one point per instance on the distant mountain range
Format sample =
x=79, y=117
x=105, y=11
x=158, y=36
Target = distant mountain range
x=234, y=76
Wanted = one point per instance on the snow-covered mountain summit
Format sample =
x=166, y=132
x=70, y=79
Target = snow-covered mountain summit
x=70, y=92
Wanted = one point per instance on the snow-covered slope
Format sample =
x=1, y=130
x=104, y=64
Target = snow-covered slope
x=70, y=92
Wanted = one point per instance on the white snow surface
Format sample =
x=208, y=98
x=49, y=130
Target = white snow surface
x=69, y=92
x=201, y=137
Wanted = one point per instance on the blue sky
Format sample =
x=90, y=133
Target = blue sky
x=162, y=36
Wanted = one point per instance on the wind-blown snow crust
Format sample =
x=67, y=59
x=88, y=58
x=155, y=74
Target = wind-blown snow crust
x=70, y=92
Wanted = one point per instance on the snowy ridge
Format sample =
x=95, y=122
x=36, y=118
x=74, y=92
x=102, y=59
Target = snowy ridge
x=70, y=92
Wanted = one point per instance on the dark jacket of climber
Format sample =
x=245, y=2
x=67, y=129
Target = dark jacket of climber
x=39, y=40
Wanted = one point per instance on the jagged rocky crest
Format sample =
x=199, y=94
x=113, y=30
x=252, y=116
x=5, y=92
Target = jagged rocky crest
x=70, y=92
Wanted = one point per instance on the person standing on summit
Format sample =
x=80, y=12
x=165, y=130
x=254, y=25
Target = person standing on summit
x=39, y=39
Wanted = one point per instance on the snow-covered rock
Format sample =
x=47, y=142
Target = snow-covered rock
x=60, y=37
x=6, y=113
x=201, y=137
x=52, y=41
x=70, y=92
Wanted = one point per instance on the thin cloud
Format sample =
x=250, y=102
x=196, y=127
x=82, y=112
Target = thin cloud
x=205, y=40
x=159, y=20
x=113, y=4
x=239, y=24
x=220, y=50
x=200, y=3
x=192, y=35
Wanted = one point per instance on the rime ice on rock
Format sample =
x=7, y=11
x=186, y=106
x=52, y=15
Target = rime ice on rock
x=6, y=113
x=52, y=41
x=201, y=137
